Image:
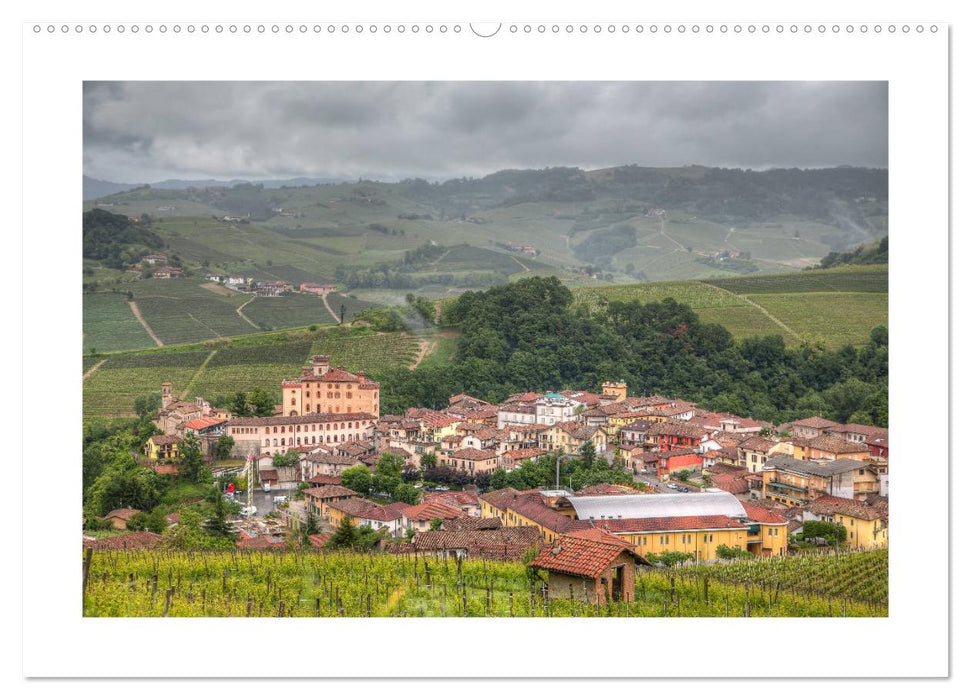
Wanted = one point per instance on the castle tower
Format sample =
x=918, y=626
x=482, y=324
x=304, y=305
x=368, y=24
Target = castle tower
x=320, y=364
x=618, y=390
x=166, y=394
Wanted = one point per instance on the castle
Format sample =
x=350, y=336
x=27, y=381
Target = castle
x=325, y=389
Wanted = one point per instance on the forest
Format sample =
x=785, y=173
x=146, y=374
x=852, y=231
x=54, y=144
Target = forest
x=525, y=336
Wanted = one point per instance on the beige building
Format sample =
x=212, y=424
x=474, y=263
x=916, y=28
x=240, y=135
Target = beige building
x=325, y=389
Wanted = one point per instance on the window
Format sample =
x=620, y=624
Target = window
x=293, y=402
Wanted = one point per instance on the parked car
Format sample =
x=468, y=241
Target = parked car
x=673, y=486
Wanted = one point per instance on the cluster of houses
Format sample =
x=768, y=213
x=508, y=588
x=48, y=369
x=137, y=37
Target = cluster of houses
x=158, y=263
x=703, y=479
x=268, y=288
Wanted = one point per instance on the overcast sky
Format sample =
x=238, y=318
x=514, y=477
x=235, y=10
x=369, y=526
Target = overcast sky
x=137, y=132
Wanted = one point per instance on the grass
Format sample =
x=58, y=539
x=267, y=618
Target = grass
x=855, y=278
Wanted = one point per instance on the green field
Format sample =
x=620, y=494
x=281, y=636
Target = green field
x=220, y=368
x=109, y=324
x=834, y=306
x=273, y=313
x=305, y=584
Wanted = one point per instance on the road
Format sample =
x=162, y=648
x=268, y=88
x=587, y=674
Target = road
x=262, y=500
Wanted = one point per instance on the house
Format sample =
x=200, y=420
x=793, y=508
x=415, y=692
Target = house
x=466, y=501
x=511, y=459
x=366, y=513
x=616, y=391
x=529, y=508
x=155, y=259
x=865, y=524
x=808, y=427
x=795, y=482
x=754, y=451
x=666, y=463
x=419, y=518
x=205, y=427
x=494, y=503
x=162, y=448
x=318, y=497
x=119, y=517
x=499, y=543
x=472, y=460
x=831, y=446
x=571, y=436
x=167, y=272
x=677, y=434
x=855, y=432
x=634, y=434
x=594, y=567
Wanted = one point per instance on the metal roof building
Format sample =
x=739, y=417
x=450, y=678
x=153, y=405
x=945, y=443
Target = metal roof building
x=661, y=505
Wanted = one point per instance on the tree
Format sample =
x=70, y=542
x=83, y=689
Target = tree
x=346, y=536
x=406, y=493
x=148, y=404
x=223, y=447
x=387, y=475
x=311, y=525
x=261, y=402
x=725, y=552
x=428, y=460
x=435, y=524
x=357, y=479
x=217, y=524
x=587, y=454
x=191, y=466
x=239, y=405
x=290, y=458
x=822, y=528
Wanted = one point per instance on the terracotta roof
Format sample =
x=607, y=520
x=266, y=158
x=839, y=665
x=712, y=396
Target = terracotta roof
x=731, y=483
x=757, y=443
x=122, y=513
x=678, y=523
x=510, y=541
x=829, y=505
x=294, y=420
x=500, y=498
x=130, y=540
x=431, y=510
x=578, y=430
x=165, y=439
x=330, y=491
x=467, y=522
x=816, y=422
x=830, y=442
x=324, y=458
x=679, y=428
x=173, y=518
x=525, y=453
x=596, y=534
x=532, y=508
x=452, y=498
x=763, y=515
x=200, y=423
x=261, y=542
x=579, y=557
x=355, y=507
x=318, y=541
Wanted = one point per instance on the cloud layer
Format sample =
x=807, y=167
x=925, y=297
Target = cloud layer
x=151, y=131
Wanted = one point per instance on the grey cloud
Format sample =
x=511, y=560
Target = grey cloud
x=149, y=131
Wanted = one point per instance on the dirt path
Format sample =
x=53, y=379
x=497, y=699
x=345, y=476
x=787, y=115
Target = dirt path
x=197, y=374
x=424, y=347
x=206, y=326
x=323, y=298
x=92, y=370
x=243, y=316
x=748, y=301
x=521, y=263
x=148, y=328
x=666, y=235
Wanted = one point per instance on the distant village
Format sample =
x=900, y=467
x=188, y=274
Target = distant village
x=702, y=483
x=158, y=265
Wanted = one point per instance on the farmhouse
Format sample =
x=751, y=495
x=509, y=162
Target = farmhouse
x=120, y=516
x=166, y=272
x=593, y=566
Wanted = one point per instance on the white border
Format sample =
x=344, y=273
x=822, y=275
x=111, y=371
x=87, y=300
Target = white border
x=58, y=642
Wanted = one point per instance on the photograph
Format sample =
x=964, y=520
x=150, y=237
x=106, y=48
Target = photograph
x=484, y=349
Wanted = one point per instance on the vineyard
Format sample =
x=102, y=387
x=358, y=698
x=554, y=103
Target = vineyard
x=154, y=583
x=834, y=306
x=222, y=367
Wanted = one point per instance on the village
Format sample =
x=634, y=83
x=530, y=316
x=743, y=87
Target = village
x=690, y=485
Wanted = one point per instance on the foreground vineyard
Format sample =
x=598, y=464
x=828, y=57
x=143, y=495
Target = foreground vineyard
x=219, y=584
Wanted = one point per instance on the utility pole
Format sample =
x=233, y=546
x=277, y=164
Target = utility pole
x=250, y=481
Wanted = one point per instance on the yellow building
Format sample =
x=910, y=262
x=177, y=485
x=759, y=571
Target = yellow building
x=162, y=448
x=617, y=391
x=866, y=525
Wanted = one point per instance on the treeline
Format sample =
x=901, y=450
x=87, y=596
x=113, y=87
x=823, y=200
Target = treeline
x=873, y=254
x=525, y=335
x=115, y=239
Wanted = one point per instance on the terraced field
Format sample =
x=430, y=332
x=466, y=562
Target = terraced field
x=220, y=368
x=272, y=313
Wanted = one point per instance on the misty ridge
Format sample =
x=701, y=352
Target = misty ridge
x=847, y=198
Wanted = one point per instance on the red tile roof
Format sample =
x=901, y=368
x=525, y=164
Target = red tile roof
x=473, y=455
x=830, y=442
x=431, y=510
x=200, y=423
x=330, y=491
x=829, y=505
x=122, y=513
x=324, y=480
x=816, y=422
x=671, y=524
x=579, y=557
x=762, y=515
x=532, y=508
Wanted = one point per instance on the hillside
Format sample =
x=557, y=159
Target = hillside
x=623, y=224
